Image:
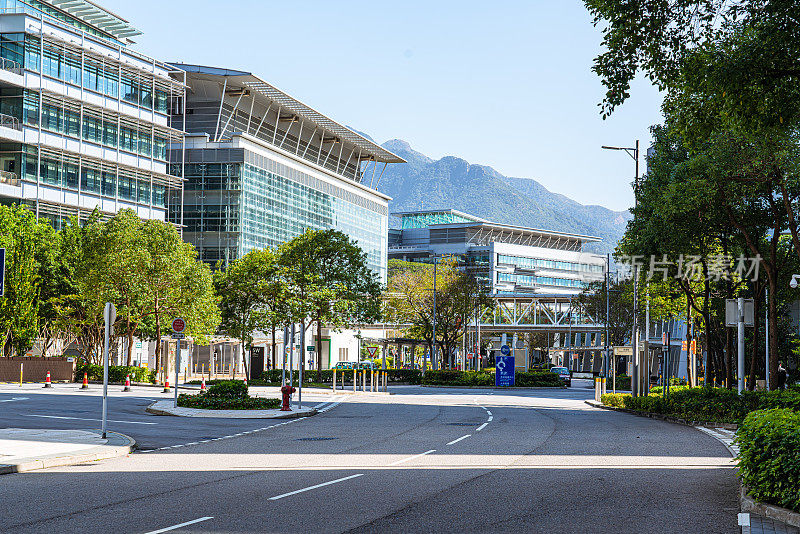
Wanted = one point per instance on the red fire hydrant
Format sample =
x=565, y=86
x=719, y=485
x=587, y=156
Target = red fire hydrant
x=287, y=393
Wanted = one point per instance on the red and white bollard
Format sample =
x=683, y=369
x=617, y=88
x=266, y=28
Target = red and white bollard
x=203, y=385
x=245, y=381
x=127, y=383
x=85, y=384
x=166, y=385
x=47, y=383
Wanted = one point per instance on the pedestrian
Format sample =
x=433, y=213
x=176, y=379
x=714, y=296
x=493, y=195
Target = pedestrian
x=781, y=376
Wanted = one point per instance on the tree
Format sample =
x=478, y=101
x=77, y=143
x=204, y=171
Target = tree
x=247, y=288
x=331, y=278
x=20, y=235
x=176, y=284
x=458, y=296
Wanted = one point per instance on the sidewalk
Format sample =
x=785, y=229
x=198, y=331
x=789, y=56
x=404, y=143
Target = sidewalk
x=750, y=523
x=24, y=449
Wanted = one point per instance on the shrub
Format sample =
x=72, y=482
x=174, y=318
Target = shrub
x=769, y=456
x=116, y=373
x=537, y=379
x=207, y=402
x=623, y=382
x=617, y=400
x=228, y=389
x=447, y=377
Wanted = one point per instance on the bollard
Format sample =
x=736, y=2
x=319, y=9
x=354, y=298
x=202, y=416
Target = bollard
x=364, y=380
x=127, y=383
x=47, y=383
x=355, y=379
x=602, y=386
x=166, y=386
x=85, y=384
x=342, y=380
x=20, y=375
x=334, y=381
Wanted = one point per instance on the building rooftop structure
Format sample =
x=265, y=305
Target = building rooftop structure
x=262, y=110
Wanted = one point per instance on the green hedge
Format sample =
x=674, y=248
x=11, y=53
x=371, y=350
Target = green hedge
x=203, y=401
x=228, y=389
x=116, y=373
x=769, y=456
x=616, y=400
x=273, y=377
x=708, y=404
x=537, y=379
x=486, y=379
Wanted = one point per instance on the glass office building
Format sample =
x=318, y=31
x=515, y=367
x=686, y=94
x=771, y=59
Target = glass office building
x=83, y=118
x=510, y=260
x=262, y=167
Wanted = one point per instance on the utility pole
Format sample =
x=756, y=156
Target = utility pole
x=608, y=307
x=110, y=315
x=633, y=152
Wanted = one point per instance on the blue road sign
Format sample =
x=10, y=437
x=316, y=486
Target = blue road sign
x=504, y=371
x=505, y=350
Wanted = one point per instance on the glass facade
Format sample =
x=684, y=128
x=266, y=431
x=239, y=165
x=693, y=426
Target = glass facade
x=535, y=281
x=533, y=263
x=423, y=220
x=36, y=8
x=106, y=78
x=267, y=203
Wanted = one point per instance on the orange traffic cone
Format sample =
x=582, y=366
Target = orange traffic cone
x=203, y=385
x=166, y=385
x=47, y=383
x=127, y=383
x=85, y=384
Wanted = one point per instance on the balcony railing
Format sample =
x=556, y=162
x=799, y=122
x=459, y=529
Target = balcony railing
x=9, y=178
x=10, y=65
x=10, y=122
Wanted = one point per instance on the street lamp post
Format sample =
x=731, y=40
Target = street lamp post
x=633, y=152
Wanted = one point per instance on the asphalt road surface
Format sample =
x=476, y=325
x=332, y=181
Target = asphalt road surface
x=422, y=460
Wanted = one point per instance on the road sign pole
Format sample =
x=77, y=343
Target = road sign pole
x=740, y=359
x=177, y=365
x=109, y=315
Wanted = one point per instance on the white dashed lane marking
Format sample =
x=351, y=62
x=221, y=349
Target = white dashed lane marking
x=330, y=404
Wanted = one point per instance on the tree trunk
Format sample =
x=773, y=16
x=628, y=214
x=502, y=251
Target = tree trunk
x=158, y=344
x=272, y=351
x=244, y=361
x=773, y=334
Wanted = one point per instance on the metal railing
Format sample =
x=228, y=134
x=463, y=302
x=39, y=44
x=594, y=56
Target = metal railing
x=10, y=122
x=10, y=65
x=9, y=178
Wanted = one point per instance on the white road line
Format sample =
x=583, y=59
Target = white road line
x=459, y=439
x=173, y=527
x=488, y=412
x=275, y=498
x=490, y=419
x=12, y=399
x=398, y=462
x=88, y=419
x=481, y=427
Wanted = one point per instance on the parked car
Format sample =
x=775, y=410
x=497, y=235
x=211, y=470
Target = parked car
x=344, y=365
x=366, y=365
x=564, y=374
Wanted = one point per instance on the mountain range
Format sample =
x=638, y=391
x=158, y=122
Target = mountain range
x=451, y=182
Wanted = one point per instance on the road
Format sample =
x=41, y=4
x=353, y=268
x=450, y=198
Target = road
x=422, y=460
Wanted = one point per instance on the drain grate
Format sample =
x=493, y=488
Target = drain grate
x=315, y=439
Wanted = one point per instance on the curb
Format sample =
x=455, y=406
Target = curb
x=120, y=445
x=667, y=418
x=783, y=515
x=242, y=414
x=500, y=388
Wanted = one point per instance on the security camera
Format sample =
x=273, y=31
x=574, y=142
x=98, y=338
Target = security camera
x=793, y=281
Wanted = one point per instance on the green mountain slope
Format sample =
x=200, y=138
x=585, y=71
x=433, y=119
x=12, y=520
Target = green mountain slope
x=451, y=182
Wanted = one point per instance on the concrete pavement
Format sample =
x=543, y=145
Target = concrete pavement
x=421, y=460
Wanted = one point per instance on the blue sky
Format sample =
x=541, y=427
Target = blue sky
x=506, y=83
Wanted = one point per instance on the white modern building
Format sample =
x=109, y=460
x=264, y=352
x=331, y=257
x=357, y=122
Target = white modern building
x=511, y=260
x=83, y=117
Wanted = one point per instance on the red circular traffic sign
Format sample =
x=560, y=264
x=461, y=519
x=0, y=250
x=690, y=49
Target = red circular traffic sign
x=178, y=325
